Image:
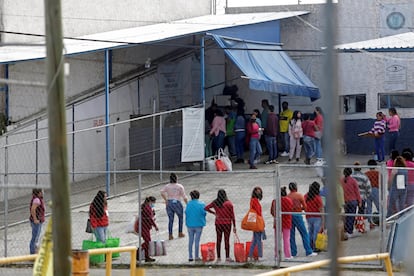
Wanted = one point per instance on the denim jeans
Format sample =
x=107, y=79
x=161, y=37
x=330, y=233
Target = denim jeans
x=194, y=235
x=257, y=241
x=297, y=222
x=240, y=141
x=36, y=229
x=218, y=142
x=231, y=143
x=373, y=198
x=393, y=137
x=314, y=225
x=396, y=201
x=379, y=148
x=255, y=150
x=350, y=208
x=286, y=140
x=410, y=195
x=100, y=234
x=309, y=144
x=318, y=148
x=174, y=207
x=271, y=147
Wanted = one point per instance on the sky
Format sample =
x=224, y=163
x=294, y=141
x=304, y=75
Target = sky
x=247, y=3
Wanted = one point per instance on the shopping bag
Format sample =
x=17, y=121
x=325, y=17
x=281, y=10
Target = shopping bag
x=321, y=242
x=157, y=248
x=252, y=222
x=225, y=159
x=88, y=226
x=113, y=242
x=255, y=251
x=211, y=163
x=130, y=229
x=239, y=252
x=220, y=166
x=359, y=224
x=208, y=251
x=90, y=244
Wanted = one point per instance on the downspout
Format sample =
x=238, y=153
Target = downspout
x=108, y=61
x=202, y=85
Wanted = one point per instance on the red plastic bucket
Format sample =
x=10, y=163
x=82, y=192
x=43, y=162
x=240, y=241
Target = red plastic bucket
x=208, y=251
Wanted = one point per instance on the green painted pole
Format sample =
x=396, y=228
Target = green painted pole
x=62, y=251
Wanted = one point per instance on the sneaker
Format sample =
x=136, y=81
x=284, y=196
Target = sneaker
x=297, y=159
x=190, y=260
x=198, y=260
x=289, y=160
x=229, y=260
x=253, y=167
x=289, y=258
x=313, y=254
x=218, y=260
x=268, y=162
x=149, y=260
x=275, y=161
x=284, y=153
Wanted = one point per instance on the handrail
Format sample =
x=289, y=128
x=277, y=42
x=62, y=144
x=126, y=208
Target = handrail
x=391, y=218
x=350, y=259
x=107, y=251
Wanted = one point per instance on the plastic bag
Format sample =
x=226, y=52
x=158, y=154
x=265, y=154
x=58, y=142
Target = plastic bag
x=321, y=242
x=239, y=252
x=226, y=160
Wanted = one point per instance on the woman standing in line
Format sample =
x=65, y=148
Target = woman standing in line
x=394, y=124
x=318, y=138
x=218, y=131
x=147, y=222
x=172, y=193
x=314, y=204
x=98, y=214
x=257, y=195
x=223, y=209
x=352, y=199
x=287, y=206
x=37, y=217
x=195, y=220
x=295, y=134
x=397, y=187
x=308, y=126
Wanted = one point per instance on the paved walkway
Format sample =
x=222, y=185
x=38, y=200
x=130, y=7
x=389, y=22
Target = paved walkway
x=238, y=186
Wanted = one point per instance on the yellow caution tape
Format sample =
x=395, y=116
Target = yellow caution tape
x=44, y=262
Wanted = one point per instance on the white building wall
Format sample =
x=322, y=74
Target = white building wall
x=94, y=16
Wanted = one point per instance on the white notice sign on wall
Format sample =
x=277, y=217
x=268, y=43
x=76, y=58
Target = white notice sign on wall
x=395, y=76
x=193, y=135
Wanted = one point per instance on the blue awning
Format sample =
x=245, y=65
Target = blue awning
x=268, y=68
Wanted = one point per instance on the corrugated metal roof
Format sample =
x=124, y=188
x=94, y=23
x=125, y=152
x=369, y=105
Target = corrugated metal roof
x=143, y=34
x=404, y=41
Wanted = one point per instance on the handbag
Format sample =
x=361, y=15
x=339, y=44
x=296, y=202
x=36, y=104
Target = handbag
x=88, y=226
x=321, y=242
x=360, y=224
x=157, y=247
x=239, y=252
x=208, y=251
x=252, y=222
x=225, y=158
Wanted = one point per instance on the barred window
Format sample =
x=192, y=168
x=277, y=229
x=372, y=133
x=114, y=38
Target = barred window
x=400, y=100
x=353, y=104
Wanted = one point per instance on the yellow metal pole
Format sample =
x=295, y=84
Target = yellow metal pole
x=133, y=262
x=108, y=263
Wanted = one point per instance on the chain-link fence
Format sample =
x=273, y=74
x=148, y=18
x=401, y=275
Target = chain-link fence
x=132, y=187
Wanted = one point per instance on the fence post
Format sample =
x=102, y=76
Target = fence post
x=278, y=228
x=114, y=160
x=6, y=194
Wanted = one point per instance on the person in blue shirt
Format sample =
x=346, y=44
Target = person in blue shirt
x=195, y=220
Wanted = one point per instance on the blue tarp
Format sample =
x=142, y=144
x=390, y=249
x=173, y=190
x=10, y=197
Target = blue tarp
x=267, y=68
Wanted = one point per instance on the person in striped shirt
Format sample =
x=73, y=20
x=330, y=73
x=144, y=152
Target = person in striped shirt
x=378, y=131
